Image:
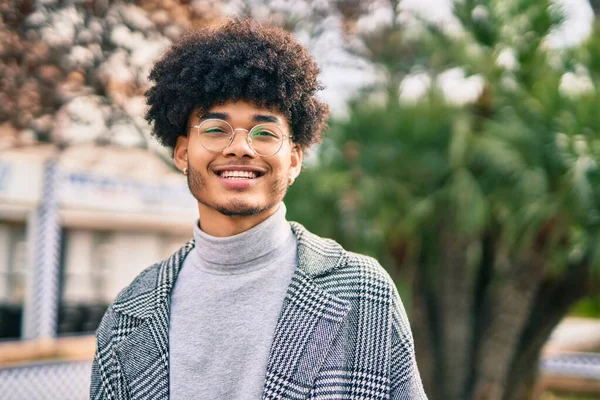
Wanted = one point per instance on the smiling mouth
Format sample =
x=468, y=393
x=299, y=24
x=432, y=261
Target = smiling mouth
x=239, y=175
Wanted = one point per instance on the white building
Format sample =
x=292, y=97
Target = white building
x=77, y=226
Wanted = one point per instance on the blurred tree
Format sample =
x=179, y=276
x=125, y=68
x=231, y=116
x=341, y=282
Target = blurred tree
x=596, y=6
x=73, y=72
x=476, y=181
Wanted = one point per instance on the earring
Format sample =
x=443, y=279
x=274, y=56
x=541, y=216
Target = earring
x=290, y=181
x=185, y=171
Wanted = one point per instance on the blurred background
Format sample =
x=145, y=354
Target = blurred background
x=462, y=152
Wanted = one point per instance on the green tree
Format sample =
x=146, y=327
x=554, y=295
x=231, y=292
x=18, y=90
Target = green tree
x=487, y=208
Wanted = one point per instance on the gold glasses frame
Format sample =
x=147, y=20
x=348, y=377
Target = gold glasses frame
x=233, y=130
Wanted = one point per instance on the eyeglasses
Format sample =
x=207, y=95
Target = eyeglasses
x=216, y=135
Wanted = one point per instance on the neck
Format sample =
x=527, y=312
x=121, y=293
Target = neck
x=219, y=225
x=247, y=250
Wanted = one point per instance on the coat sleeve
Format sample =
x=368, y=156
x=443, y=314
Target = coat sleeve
x=405, y=380
x=103, y=367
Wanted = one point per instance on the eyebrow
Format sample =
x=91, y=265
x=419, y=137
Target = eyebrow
x=265, y=118
x=213, y=115
x=225, y=116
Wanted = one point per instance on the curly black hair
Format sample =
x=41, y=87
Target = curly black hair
x=240, y=60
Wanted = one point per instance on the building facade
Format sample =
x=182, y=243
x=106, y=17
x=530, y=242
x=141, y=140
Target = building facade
x=76, y=226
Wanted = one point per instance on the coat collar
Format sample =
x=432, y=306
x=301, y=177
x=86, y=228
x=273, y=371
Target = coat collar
x=309, y=321
x=316, y=256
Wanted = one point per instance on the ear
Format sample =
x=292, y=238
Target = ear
x=180, y=153
x=296, y=161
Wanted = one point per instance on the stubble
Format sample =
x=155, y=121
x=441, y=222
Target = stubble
x=235, y=207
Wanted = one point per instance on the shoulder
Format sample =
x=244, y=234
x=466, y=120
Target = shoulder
x=145, y=281
x=365, y=274
x=162, y=273
x=366, y=265
x=359, y=275
x=324, y=258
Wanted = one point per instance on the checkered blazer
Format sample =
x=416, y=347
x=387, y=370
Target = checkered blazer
x=342, y=332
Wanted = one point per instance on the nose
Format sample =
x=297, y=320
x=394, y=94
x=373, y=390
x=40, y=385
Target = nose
x=239, y=145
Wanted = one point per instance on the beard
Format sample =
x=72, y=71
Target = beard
x=235, y=207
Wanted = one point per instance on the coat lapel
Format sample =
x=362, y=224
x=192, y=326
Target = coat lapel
x=309, y=321
x=142, y=333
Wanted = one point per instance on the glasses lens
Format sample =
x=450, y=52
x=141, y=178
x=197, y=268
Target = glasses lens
x=266, y=139
x=214, y=134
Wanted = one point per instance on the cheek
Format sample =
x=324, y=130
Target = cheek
x=194, y=147
x=280, y=170
x=281, y=164
x=198, y=159
x=192, y=152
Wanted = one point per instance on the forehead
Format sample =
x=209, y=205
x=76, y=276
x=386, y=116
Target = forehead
x=240, y=112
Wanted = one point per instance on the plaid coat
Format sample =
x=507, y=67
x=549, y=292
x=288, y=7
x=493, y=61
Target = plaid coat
x=342, y=332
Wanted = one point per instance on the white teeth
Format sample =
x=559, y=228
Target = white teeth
x=238, y=174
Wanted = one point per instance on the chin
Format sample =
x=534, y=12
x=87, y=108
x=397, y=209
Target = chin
x=238, y=208
x=248, y=212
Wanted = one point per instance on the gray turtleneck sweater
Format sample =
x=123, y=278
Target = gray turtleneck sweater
x=224, y=309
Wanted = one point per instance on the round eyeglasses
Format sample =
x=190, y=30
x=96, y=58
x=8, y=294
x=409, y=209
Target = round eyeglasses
x=216, y=135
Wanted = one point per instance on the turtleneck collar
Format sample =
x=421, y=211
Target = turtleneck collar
x=246, y=251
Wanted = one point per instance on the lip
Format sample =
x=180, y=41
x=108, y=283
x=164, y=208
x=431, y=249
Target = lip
x=222, y=168
x=237, y=183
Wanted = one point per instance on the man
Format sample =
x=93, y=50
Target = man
x=254, y=306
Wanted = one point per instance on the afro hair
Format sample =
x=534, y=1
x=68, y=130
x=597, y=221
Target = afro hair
x=240, y=60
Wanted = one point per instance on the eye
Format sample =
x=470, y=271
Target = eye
x=215, y=130
x=265, y=133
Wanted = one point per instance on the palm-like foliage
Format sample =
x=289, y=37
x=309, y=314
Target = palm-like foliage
x=490, y=211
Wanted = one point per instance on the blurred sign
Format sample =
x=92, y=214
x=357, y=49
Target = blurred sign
x=21, y=183
x=83, y=190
